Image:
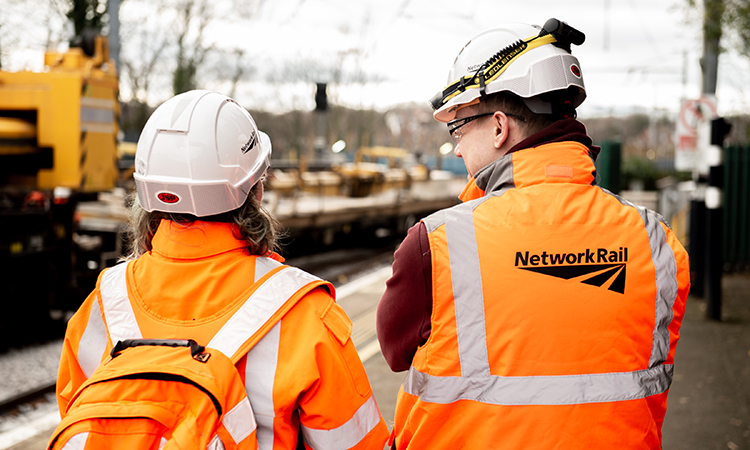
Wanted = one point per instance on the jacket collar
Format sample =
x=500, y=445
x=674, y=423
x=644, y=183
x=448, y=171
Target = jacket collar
x=556, y=150
x=197, y=240
x=559, y=162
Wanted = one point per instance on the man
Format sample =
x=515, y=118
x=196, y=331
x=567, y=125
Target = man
x=202, y=246
x=544, y=311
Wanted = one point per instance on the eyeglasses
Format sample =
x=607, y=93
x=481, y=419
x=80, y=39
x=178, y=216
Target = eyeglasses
x=454, y=126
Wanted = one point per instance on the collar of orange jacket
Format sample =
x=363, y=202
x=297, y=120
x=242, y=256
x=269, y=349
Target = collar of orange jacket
x=559, y=162
x=198, y=239
x=566, y=130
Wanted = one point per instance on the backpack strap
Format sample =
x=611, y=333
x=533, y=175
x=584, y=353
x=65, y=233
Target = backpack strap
x=278, y=291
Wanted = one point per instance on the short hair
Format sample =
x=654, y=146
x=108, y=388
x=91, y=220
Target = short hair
x=512, y=104
x=251, y=223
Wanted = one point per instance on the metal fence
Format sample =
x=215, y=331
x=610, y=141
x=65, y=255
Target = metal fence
x=737, y=206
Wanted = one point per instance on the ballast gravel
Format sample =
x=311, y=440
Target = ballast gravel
x=28, y=368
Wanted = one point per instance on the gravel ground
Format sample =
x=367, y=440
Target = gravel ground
x=22, y=370
x=28, y=368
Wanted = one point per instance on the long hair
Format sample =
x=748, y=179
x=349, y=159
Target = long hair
x=251, y=223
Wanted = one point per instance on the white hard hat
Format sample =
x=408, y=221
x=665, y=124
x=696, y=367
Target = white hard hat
x=199, y=153
x=527, y=60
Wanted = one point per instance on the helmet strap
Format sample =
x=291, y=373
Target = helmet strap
x=482, y=85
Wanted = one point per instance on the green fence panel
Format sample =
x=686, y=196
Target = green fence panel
x=608, y=166
x=737, y=206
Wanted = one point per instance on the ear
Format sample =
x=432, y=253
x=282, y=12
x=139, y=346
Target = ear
x=501, y=130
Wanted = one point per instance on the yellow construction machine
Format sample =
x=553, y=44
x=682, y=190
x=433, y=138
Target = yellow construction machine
x=58, y=146
x=377, y=169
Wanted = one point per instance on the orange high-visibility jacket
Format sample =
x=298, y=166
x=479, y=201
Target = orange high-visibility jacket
x=556, y=312
x=303, y=375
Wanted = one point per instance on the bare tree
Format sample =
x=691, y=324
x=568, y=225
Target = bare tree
x=19, y=32
x=239, y=70
x=193, y=18
x=86, y=14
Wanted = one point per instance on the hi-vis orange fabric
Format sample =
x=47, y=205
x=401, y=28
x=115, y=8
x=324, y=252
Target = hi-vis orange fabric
x=556, y=313
x=304, y=375
x=160, y=397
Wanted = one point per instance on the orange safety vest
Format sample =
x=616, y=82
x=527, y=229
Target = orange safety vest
x=556, y=312
x=304, y=374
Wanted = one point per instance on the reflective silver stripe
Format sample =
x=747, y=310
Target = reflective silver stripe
x=118, y=312
x=347, y=435
x=93, y=342
x=260, y=373
x=666, y=287
x=467, y=291
x=434, y=221
x=540, y=390
x=256, y=311
x=77, y=442
x=215, y=444
x=240, y=421
x=665, y=266
x=97, y=115
x=162, y=442
x=264, y=265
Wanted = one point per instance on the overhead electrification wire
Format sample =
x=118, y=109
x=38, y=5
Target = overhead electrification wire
x=646, y=33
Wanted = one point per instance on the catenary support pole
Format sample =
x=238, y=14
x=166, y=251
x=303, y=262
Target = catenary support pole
x=713, y=10
x=714, y=238
x=113, y=8
x=715, y=217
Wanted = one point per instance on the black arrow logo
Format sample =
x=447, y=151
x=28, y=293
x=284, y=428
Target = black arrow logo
x=603, y=273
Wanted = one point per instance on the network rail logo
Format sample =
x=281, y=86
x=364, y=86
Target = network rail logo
x=596, y=267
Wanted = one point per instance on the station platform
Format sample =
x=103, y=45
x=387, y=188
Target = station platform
x=709, y=401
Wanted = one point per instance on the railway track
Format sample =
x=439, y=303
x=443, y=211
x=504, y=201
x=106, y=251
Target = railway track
x=339, y=266
x=17, y=402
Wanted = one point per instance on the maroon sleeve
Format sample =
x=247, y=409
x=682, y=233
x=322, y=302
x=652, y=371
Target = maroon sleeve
x=403, y=319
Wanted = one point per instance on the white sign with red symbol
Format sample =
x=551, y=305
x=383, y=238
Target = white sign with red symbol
x=692, y=135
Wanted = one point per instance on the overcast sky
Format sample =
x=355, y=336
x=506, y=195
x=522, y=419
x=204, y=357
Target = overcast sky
x=637, y=54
